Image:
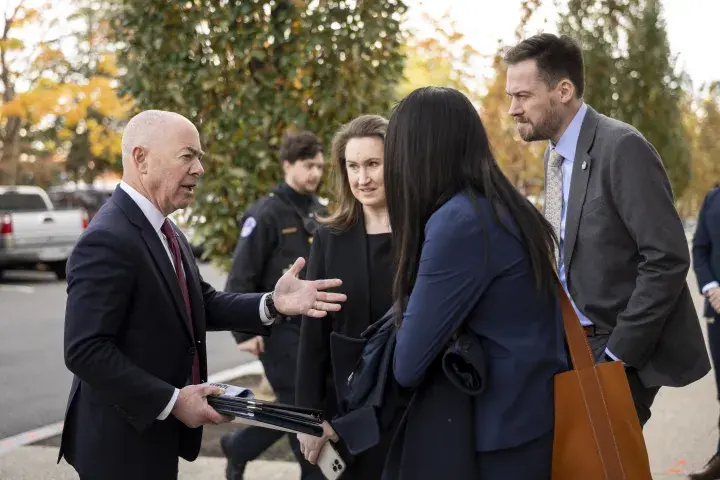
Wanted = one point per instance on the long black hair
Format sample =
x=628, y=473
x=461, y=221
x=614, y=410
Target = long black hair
x=436, y=147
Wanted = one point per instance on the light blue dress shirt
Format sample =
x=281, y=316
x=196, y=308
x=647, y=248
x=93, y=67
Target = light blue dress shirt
x=566, y=147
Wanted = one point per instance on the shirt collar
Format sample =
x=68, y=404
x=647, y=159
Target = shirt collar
x=567, y=145
x=151, y=212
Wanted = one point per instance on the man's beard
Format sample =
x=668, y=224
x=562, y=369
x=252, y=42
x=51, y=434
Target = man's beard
x=545, y=129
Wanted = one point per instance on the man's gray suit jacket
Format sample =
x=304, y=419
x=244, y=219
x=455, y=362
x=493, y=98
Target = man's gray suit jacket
x=626, y=256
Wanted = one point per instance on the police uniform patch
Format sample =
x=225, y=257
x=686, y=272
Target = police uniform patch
x=248, y=227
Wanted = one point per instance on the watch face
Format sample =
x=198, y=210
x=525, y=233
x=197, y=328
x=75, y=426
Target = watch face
x=270, y=304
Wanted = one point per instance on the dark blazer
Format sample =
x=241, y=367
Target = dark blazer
x=128, y=344
x=476, y=275
x=626, y=254
x=342, y=255
x=706, y=245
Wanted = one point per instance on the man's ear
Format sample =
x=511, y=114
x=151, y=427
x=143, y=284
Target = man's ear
x=140, y=158
x=567, y=90
x=286, y=165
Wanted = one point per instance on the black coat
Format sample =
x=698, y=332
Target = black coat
x=333, y=255
x=340, y=255
x=275, y=231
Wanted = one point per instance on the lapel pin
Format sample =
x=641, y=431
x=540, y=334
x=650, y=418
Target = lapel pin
x=584, y=165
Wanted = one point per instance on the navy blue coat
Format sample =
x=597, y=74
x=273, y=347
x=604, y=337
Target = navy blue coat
x=706, y=245
x=475, y=273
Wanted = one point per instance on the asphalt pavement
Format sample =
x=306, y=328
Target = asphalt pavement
x=34, y=382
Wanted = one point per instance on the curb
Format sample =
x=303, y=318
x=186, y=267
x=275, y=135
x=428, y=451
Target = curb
x=48, y=431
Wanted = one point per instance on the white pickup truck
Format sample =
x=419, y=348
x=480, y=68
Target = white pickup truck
x=33, y=232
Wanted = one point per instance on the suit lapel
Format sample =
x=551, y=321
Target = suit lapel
x=159, y=254
x=355, y=240
x=582, y=166
x=163, y=263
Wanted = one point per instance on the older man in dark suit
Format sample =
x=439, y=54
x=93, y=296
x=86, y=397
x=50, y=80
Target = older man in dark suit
x=137, y=313
x=623, y=254
x=706, y=263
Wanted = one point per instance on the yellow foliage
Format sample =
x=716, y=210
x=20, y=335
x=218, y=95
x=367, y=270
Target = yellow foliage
x=702, y=125
x=107, y=65
x=11, y=44
x=65, y=134
x=439, y=59
x=77, y=105
x=103, y=141
x=48, y=56
x=25, y=16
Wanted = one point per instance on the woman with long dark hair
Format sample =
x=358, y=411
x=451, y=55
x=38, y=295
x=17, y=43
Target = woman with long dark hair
x=472, y=256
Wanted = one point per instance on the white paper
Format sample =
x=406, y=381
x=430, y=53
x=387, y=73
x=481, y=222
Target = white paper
x=232, y=391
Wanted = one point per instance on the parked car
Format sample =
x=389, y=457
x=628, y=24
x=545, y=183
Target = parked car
x=33, y=231
x=88, y=198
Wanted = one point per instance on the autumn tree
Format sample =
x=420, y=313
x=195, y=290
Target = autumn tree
x=247, y=72
x=11, y=53
x=520, y=161
x=439, y=56
x=630, y=74
x=56, y=107
x=703, y=125
x=89, y=119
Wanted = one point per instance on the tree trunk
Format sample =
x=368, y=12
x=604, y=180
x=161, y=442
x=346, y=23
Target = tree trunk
x=10, y=152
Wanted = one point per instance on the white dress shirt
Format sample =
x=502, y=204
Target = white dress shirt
x=709, y=286
x=156, y=219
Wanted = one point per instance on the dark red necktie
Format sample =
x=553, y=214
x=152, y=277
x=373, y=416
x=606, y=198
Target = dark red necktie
x=169, y=233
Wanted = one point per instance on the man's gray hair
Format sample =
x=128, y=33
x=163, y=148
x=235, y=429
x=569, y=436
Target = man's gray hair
x=143, y=128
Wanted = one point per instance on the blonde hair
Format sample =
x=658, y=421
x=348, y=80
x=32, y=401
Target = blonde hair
x=348, y=207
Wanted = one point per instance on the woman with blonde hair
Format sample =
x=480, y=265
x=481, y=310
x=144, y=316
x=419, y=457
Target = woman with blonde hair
x=353, y=244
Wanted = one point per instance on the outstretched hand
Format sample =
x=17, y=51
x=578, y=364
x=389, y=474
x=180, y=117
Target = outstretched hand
x=293, y=296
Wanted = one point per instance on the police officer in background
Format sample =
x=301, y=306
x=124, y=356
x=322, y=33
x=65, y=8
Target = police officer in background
x=275, y=231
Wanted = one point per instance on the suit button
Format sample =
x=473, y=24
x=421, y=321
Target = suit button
x=191, y=350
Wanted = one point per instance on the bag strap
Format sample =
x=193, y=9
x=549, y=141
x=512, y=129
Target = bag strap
x=583, y=365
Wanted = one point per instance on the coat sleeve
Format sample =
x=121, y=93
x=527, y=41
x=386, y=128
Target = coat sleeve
x=100, y=282
x=314, y=351
x=642, y=196
x=702, y=247
x=451, y=277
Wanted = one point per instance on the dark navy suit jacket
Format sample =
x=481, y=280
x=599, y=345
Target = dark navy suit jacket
x=129, y=345
x=706, y=245
x=473, y=273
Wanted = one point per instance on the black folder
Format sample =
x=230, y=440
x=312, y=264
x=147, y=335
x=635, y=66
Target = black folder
x=277, y=416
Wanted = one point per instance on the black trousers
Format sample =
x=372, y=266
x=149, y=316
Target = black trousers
x=643, y=397
x=713, y=329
